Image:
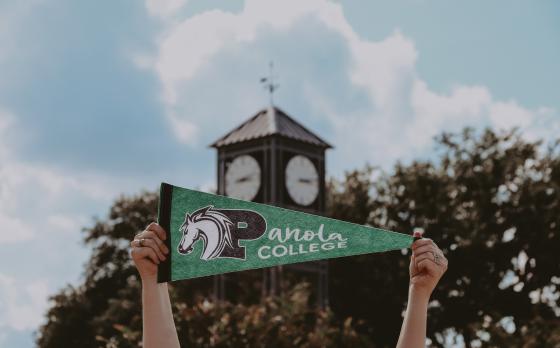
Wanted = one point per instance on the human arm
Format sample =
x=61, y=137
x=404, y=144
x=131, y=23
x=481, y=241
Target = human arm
x=427, y=266
x=158, y=326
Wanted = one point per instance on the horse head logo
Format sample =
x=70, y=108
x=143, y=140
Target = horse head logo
x=210, y=225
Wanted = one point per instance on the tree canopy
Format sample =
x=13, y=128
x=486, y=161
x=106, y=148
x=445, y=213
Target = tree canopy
x=490, y=201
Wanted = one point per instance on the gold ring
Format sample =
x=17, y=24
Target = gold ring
x=141, y=242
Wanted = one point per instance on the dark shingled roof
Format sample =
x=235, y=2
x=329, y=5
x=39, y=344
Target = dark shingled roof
x=267, y=122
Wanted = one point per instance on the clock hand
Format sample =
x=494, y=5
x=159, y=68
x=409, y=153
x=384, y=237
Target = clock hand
x=243, y=179
x=307, y=181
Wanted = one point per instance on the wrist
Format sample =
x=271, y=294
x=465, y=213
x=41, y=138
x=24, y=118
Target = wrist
x=148, y=279
x=419, y=293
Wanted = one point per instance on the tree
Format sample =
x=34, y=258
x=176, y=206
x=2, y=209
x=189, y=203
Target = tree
x=491, y=201
x=105, y=310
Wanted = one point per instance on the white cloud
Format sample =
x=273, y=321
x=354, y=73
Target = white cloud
x=67, y=224
x=41, y=214
x=184, y=130
x=14, y=229
x=188, y=46
x=22, y=304
x=504, y=114
x=163, y=8
x=6, y=120
x=402, y=113
x=384, y=68
x=32, y=194
x=465, y=105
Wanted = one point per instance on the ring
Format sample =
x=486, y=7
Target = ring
x=141, y=242
x=436, y=258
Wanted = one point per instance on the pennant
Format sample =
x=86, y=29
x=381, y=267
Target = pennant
x=209, y=234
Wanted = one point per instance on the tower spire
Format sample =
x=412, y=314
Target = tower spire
x=268, y=83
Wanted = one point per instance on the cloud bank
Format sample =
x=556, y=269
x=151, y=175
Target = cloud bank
x=42, y=211
x=346, y=84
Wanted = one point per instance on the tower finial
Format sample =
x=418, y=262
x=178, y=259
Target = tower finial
x=268, y=83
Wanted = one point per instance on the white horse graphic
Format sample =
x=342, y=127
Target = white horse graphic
x=208, y=224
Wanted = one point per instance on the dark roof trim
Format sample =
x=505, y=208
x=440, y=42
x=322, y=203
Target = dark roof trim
x=268, y=122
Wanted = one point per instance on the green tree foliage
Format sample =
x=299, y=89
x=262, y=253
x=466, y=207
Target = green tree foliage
x=491, y=201
x=284, y=321
x=105, y=311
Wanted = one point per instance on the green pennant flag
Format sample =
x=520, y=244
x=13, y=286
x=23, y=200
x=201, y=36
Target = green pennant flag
x=209, y=234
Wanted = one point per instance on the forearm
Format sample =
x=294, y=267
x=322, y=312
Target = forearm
x=158, y=325
x=413, y=331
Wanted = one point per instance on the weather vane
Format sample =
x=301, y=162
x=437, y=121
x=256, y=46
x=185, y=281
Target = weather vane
x=268, y=83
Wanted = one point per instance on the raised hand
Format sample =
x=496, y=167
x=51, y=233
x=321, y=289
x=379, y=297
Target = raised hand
x=427, y=265
x=148, y=250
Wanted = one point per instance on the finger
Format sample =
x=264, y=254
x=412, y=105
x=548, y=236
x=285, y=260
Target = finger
x=424, y=256
x=157, y=229
x=150, y=243
x=429, y=266
x=153, y=236
x=413, y=268
x=422, y=242
x=442, y=261
x=139, y=253
x=431, y=254
x=423, y=249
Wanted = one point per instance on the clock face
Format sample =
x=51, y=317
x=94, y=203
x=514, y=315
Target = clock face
x=243, y=178
x=302, y=180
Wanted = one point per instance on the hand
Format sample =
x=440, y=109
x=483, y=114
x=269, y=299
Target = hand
x=148, y=250
x=427, y=266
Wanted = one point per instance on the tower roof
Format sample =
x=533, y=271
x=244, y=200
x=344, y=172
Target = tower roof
x=268, y=122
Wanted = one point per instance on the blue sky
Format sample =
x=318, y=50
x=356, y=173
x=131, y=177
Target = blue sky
x=103, y=98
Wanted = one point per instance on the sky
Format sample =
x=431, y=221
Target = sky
x=104, y=98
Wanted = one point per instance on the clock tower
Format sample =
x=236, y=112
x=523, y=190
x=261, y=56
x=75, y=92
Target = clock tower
x=273, y=159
